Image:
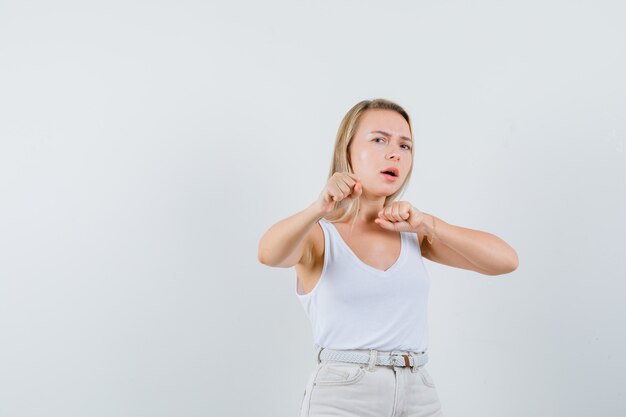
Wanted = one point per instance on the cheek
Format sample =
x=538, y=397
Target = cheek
x=365, y=158
x=359, y=160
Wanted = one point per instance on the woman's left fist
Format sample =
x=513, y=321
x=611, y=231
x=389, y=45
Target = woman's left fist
x=400, y=216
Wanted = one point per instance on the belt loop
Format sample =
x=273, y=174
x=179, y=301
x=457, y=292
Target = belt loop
x=318, y=350
x=414, y=367
x=372, y=361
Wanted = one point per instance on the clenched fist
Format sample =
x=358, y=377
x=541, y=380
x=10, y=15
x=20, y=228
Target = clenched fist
x=401, y=216
x=340, y=189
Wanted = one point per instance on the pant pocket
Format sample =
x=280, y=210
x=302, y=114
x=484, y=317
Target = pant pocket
x=336, y=373
x=426, y=378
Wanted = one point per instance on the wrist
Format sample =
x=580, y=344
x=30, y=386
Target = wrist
x=315, y=212
x=429, y=228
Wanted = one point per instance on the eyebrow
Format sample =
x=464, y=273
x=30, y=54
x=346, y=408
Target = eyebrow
x=387, y=134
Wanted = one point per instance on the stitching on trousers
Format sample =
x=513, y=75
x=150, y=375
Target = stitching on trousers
x=395, y=393
x=311, y=386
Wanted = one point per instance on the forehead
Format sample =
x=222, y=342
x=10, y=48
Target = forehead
x=384, y=120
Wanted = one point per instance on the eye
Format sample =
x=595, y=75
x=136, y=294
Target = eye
x=408, y=147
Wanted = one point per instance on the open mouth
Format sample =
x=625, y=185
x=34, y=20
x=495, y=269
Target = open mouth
x=389, y=177
x=390, y=171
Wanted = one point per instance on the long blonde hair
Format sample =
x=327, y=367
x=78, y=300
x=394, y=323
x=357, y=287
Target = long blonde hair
x=341, y=155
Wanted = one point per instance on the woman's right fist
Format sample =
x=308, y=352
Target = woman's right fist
x=340, y=189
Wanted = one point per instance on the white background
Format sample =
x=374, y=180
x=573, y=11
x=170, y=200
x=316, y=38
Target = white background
x=145, y=147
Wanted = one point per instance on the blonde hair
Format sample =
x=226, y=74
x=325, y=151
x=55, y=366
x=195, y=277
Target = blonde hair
x=341, y=155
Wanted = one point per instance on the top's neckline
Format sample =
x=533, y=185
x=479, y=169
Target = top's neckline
x=368, y=267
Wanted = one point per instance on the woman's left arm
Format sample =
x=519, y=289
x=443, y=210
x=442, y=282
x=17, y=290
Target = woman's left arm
x=487, y=252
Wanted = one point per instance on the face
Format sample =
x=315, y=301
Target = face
x=382, y=141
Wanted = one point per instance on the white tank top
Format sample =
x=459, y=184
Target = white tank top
x=357, y=306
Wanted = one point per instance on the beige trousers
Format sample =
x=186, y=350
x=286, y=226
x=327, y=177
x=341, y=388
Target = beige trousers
x=363, y=390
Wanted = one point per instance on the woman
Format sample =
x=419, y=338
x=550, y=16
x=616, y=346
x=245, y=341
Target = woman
x=360, y=277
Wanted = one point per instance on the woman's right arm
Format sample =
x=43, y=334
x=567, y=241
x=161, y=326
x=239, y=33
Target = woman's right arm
x=285, y=242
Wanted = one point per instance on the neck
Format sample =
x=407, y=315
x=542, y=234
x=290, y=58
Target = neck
x=367, y=213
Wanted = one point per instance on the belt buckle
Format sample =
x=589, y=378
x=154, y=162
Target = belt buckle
x=395, y=356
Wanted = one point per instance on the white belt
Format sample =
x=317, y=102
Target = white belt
x=395, y=359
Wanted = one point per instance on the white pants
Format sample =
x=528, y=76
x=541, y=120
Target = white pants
x=363, y=390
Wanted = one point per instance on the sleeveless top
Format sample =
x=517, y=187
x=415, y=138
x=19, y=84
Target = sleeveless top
x=357, y=306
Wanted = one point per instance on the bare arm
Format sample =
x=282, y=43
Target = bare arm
x=469, y=249
x=284, y=243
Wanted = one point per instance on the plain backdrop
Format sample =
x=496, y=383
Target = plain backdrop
x=145, y=147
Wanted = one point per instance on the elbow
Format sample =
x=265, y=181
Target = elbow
x=263, y=258
x=512, y=264
x=504, y=269
x=514, y=261
x=261, y=255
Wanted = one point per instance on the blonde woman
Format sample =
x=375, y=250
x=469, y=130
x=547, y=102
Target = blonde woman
x=360, y=277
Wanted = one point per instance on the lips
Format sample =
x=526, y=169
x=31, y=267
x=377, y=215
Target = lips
x=389, y=177
x=391, y=170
